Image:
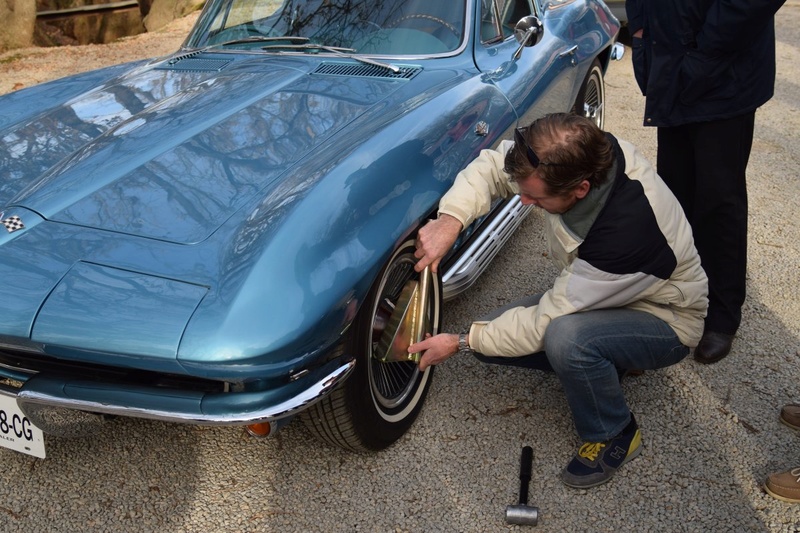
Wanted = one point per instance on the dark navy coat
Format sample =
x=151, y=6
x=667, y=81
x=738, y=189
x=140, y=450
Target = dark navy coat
x=702, y=60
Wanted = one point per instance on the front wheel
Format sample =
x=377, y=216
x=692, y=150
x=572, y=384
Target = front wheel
x=380, y=401
x=591, y=99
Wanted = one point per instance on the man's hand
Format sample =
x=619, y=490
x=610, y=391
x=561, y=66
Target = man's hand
x=435, y=349
x=434, y=240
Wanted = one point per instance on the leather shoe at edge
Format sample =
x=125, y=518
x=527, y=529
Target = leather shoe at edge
x=713, y=347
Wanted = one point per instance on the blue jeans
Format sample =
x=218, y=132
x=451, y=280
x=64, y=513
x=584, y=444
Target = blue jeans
x=587, y=349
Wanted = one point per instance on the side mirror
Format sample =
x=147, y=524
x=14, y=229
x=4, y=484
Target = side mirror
x=528, y=32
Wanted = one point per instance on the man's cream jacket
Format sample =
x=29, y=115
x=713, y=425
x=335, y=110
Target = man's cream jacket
x=637, y=252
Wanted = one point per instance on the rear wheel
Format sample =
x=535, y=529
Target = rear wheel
x=591, y=99
x=380, y=401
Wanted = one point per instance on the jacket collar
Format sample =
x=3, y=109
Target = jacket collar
x=576, y=223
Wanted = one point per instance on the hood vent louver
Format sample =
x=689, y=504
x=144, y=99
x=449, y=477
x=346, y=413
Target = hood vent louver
x=192, y=62
x=365, y=71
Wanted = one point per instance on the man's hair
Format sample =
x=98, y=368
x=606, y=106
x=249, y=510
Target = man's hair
x=570, y=149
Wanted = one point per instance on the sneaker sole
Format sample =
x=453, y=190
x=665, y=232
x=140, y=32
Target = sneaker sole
x=788, y=424
x=779, y=497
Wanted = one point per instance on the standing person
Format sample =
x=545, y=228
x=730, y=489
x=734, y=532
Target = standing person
x=631, y=292
x=705, y=66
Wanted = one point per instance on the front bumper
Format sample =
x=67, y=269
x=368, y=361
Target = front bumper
x=192, y=407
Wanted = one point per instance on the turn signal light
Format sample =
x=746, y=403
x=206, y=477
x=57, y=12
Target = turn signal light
x=262, y=429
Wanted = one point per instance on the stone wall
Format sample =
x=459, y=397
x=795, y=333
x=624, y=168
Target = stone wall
x=22, y=29
x=162, y=12
x=95, y=28
x=19, y=19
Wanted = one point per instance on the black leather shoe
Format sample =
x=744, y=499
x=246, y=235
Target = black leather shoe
x=713, y=347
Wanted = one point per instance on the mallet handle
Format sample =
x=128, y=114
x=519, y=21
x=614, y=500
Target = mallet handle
x=525, y=466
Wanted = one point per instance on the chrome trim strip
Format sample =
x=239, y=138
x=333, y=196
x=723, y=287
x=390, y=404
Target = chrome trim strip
x=287, y=408
x=471, y=264
x=14, y=369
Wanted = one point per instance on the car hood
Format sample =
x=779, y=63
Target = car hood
x=170, y=150
x=213, y=210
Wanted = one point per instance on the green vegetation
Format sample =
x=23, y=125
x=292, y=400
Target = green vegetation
x=10, y=59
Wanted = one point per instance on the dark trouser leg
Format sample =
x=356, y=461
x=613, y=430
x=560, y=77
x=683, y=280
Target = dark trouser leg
x=536, y=361
x=705, y=164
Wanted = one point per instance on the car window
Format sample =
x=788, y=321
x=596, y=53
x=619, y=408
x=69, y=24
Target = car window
x=498, y=18
x=376, y=27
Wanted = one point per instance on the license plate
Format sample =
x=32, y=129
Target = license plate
x=17, y=432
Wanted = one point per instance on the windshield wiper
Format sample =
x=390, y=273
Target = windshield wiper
x=244, y=40
x=338, y=50
x=258, y=39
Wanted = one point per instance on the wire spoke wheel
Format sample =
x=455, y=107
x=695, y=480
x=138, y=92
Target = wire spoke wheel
x=590, y=102
x=380, y=401
x=391, y=383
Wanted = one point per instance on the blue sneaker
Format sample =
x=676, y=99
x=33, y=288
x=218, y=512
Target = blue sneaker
x=596, y=462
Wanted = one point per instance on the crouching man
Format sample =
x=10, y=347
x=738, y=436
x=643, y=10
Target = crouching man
x=631, y=293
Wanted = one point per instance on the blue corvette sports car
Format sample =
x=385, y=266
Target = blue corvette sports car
x=225, y=236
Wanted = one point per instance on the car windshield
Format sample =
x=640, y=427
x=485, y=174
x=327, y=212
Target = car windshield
x=370, y=27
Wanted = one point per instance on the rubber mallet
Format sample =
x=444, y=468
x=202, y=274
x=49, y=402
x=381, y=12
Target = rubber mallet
x=522, y=513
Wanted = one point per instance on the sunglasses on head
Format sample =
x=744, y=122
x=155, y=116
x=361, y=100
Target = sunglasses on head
x=519, y=142
x=533, y=159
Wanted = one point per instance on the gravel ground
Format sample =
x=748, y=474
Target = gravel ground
x=711, y=433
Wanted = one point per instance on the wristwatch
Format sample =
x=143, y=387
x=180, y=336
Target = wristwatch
x=463, y=345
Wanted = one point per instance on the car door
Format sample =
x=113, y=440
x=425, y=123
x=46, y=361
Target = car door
x=542, y=79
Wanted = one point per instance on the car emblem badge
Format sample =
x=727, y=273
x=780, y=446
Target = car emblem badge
x=13, y=223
